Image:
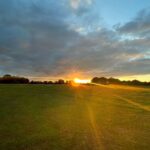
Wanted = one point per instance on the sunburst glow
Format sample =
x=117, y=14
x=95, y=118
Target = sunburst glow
x=81, y=81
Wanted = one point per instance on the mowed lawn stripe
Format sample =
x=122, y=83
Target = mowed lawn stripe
x=146, y=108
x=95, y=130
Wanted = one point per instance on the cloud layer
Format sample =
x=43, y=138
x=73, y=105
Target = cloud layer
x=140, y=25
x=51, y=38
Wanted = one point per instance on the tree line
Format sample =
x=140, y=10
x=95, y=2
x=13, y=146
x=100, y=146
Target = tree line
x=106, y=81
x=9, y=79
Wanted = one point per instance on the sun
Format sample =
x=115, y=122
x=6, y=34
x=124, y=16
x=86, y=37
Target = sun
x=82, y=81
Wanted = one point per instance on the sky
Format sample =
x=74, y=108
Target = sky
x=49, y=39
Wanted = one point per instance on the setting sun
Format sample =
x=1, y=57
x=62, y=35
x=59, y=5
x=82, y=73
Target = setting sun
x=81, y=81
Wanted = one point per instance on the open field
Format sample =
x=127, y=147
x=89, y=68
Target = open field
x=61, y=117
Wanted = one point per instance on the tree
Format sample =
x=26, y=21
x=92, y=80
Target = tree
x=101, y=80
x=61, y=81
x=13, y=79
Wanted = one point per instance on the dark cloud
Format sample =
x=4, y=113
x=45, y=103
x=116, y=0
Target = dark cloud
x=33, y=36
x=134, y=67
x=140, y=25
x=36, y=39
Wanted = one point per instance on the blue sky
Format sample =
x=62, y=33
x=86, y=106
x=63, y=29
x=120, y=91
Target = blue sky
x=75, y=38
x=120, y=11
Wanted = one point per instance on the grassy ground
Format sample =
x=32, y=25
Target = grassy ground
x=61, y=117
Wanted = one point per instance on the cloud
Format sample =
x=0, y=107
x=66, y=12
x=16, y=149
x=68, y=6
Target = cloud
x=34, y=36
x=81, y=7
x=140, y=25
x=75, y=4
x=40, y=39
x=135, y=67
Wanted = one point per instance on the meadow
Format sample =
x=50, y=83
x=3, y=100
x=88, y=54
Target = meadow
x=84, y=117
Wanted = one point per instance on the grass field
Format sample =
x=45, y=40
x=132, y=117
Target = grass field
x=61, y=117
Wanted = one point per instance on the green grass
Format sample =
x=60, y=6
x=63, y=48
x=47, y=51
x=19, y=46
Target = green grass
x=61, y=117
